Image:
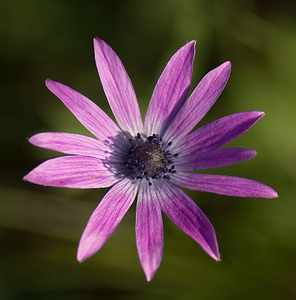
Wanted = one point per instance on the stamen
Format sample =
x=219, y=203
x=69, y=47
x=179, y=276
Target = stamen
x=149, y=159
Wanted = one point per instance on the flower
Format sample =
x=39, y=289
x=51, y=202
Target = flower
x=150, y=160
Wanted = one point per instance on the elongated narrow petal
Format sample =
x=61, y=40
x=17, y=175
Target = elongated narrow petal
x=183, y=212
x=81, y=172
x=118, y=88
x=219, y=132
x=213, y=159
x=70, y=143
x=105, y=218
x=224, y=185
x=171, y=90
x=199, y=102
x=149, y=230
x=87, y=112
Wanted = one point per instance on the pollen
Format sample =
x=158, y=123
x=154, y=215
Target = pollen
x=149, y=158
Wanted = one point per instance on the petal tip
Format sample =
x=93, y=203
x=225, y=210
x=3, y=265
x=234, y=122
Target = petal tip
x=274, y=194
x=32, y=139
x=269, y=193
x=96, y=40
x=149, y=269
x=215, y=254
x=192, y=43
x=82, y=254
x=149, y=276
x=217, y=259
x=99, y=43
x=30, y=177
x=252, y=153
x=259, y=114
x=48, y=81
x=50, y=84
x=188, y=48
x=80, y=258
x=227, y=65
x=33, y=178
x=25, y=178
x=223, y=70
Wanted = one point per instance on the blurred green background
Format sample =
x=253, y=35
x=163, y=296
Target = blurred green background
x=41, y=226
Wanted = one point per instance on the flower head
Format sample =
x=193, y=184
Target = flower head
x=149, y=160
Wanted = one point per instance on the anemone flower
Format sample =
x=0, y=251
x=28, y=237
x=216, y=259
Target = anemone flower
x=149, y=160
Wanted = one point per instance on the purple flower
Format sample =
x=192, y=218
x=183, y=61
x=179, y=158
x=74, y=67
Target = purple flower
x=149, y=160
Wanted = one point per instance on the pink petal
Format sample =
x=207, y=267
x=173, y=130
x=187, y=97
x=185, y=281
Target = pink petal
x=87, y=112
x=224, y=185
x=71, y=143
x=219, y=132
x=81, y=172
x=171, y=89
x=118, y=88
x=106, y=217
x=213, y=159
x=184, y=213
x=199, y=102
x=149, y=230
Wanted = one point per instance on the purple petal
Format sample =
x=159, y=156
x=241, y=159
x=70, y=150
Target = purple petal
x=118, y=88
x=224, y=185
x=213, y=159
x=106, y=217
x=149, y=230
x=81, y=172
x=199, y=102
x=171, y=89
x=87, y=112
x=219, y=132
x=183, y=212
x=70, y=143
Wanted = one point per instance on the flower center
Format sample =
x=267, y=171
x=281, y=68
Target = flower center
x=149, y=159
